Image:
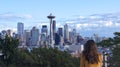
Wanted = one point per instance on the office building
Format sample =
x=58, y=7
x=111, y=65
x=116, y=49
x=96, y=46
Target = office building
x=57, y=39
x=66, y=33
x=44, y=29
x=20, y=32
x=35, y=37
x=60, y=31
x=54, y=28
x=44, y=35
x=74, y=32
x=27, y=38
x=20, y=28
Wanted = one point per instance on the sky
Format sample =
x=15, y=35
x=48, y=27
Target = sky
x=87, y=16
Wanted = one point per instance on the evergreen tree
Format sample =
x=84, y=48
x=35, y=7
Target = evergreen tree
x=115, y=60
x=38, y=57
x=8, y=46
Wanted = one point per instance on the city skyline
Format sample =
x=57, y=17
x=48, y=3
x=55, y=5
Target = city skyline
x=88, y=17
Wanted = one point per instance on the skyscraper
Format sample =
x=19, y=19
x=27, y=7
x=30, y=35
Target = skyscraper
x=54, y=28
x=44, y=35
x=20, y=32
x=27, y=38
x=74, y=32
x=35, y=37
x=44, y=29
x=57, y=39
x=66, y=33
x=72, y=36
x=20, y=28
x=60, y=31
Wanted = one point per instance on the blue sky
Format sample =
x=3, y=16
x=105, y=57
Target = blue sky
x=34, y=12
x=61, y=8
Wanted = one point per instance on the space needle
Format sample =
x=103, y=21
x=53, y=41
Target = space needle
x=51, y=17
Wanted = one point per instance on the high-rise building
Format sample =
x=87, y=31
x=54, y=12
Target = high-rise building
x=43, y=38
x=74, y=32
x=78, y=38
x=60, y=31
x=72, y=36
x=44, y=35
x=54, y=28
x=66, y=33
x=20, y=32
x=35, y=37
x=27, y=38
x=96, y=38
x=57, y=39
x=44, y=29
x=20, y=28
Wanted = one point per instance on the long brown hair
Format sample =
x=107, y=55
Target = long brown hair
x=90, y=52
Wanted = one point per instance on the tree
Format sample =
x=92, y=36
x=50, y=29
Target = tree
x=115, y=60
x=38, y=57
x=117, y=38
x=106, y=43
x=8, y=46
x=114, y=43
x=54, y=58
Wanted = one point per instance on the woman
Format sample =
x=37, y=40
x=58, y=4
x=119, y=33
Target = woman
x=90, y=57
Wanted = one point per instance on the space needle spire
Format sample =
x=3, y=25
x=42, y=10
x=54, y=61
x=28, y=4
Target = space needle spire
x=51, y=17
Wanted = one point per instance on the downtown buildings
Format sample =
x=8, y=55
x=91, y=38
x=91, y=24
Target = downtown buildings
x=60, y=37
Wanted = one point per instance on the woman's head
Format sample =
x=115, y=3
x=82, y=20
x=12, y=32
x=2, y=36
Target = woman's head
x=90, y=52
x=90, y=45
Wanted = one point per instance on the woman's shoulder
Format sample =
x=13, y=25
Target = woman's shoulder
x=100, y=55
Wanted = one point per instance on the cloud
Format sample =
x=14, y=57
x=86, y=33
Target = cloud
x=117, y=24
x=97, y=20
x=81, y=17
x=69, y=22
x=106, y=23
x=59, y=25
x=14, y=17
x=5, y=27
x=109, y=24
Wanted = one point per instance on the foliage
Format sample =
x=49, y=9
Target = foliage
x=106, y=43
x=38, y=57
x=115, y=60
x=54, y=58
x=8, y=46
x=114, y=44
